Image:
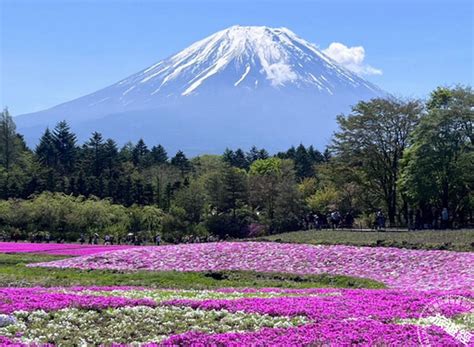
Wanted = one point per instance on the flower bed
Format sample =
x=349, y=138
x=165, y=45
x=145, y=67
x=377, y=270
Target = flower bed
x=397, y=268
x=72, y=249
x=122, y=315
x=31, y=299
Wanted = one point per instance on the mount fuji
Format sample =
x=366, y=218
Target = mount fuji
x=239, y=87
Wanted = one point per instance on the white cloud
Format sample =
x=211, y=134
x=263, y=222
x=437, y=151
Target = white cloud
x=279, y=73
x=352, y=58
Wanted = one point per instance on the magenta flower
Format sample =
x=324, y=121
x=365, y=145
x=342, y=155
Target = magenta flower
x=30, y=299
x=397, y=268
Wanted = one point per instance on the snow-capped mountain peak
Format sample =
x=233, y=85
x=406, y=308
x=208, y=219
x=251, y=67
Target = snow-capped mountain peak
x=275, y=88
x=248, y=56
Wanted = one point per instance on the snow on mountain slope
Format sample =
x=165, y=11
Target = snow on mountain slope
x=235, y=73
x=243, y=57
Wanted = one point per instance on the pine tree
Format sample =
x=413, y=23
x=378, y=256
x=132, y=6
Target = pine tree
x=303, y=162
x=65, y=147
x=139, y=154
x=228, y=156
x=148, y=194
x=126, y=190
x=138, y=192
x=45, y=151
x=289, y=154
x=181, y=162
x=253, y=154
x=159, y=155
x=234, y=192
x=315, y=155
x=110, y=157
x=94, y=153
x=126, y=152
x=14, y=158
x=240, y=160
x=9, y=144
x=263, y=154
x=81, y=187
x=327, y=155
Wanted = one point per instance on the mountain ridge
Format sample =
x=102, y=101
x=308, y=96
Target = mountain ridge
x=250, y=69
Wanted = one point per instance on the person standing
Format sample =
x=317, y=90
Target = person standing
x=380, y=220
x=335, y=219
x=418, y=222
x=317, y=221
x=444, y=218
x=349, y=220
x=410, y=220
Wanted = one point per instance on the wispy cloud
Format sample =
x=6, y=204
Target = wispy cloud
x=352, y=58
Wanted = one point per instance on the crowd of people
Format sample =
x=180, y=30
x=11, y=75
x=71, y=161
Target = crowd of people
x=137, y=240
x=416, y=220
x=430, y=218
x=333, y=220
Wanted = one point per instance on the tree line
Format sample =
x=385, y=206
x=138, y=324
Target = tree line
x=405, y=158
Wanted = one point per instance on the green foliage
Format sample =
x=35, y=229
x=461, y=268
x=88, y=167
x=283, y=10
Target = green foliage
x=10, y=143
x=274, y=192
x=181, y=162
x=438, y=168
x=191, y=200
x=270, y=167
x=372, y=140
x=67, y=217
x=324, y=200
x=13, y=272
x=305, y=159
x=16, y=162
x=308, y=187
x=387, y=154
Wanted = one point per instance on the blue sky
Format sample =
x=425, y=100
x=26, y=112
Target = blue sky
x=57, y=50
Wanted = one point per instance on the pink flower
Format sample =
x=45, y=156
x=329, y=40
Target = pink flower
x=397, y=268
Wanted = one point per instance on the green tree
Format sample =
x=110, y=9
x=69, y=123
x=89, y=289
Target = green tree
x=240, y=159
x=181, y=162
x=45, y=150
x=140, y=154
x=303, y=162
x=438, y=167
x=16, y=163
x=227, y=189
x=152, y=219
x=159, y=155
x=65, y=148
x=274, y=192
x=10, y=144
x=324, y=200
x=94, y=154
x=372, y=139
x=256, y=154
x=111, y=158
x=192, y=200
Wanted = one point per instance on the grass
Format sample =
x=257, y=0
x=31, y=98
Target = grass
x=455, y=240
x=13, y=272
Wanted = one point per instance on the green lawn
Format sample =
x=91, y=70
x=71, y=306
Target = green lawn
x=456, y=240
x=13, y=272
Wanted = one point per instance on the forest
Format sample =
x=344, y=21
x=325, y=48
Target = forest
x=411, y=161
